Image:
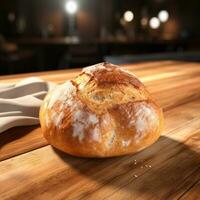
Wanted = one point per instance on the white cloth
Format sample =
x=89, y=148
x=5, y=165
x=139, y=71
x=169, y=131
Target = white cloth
x=20, y=103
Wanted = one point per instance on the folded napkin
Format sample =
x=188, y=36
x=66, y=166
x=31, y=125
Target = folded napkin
x=20, y=103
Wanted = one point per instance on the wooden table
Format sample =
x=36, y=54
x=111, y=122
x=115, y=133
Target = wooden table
x=169, y=169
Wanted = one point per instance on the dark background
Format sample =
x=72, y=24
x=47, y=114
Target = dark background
x=37, y=35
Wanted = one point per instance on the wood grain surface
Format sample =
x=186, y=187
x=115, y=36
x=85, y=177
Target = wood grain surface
x=169, y=169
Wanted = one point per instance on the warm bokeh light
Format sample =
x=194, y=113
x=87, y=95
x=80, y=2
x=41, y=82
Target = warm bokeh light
x=163, y=15
x=128, y=16
x=144, y=21
x=11, y=17
x=154, y=23
x=71, y=6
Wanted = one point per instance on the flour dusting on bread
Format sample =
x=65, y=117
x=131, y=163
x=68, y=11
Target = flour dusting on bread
x=64, y=95
x=82, y=121
x=126, y=143
x=91, y=69
x=111, y=138
x=96, y=135
x=145, y=119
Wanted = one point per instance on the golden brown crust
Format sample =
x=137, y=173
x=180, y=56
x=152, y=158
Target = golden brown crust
x=103, y=112
x=111, y=75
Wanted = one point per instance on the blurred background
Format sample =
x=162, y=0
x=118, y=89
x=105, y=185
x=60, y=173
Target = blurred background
x=40, y=35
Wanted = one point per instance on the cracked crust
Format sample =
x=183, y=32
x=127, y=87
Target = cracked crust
x=103, y=112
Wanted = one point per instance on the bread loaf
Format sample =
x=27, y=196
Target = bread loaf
x=103, y=112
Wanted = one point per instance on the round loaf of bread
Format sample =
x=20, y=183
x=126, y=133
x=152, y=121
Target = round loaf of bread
x=105, y=111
